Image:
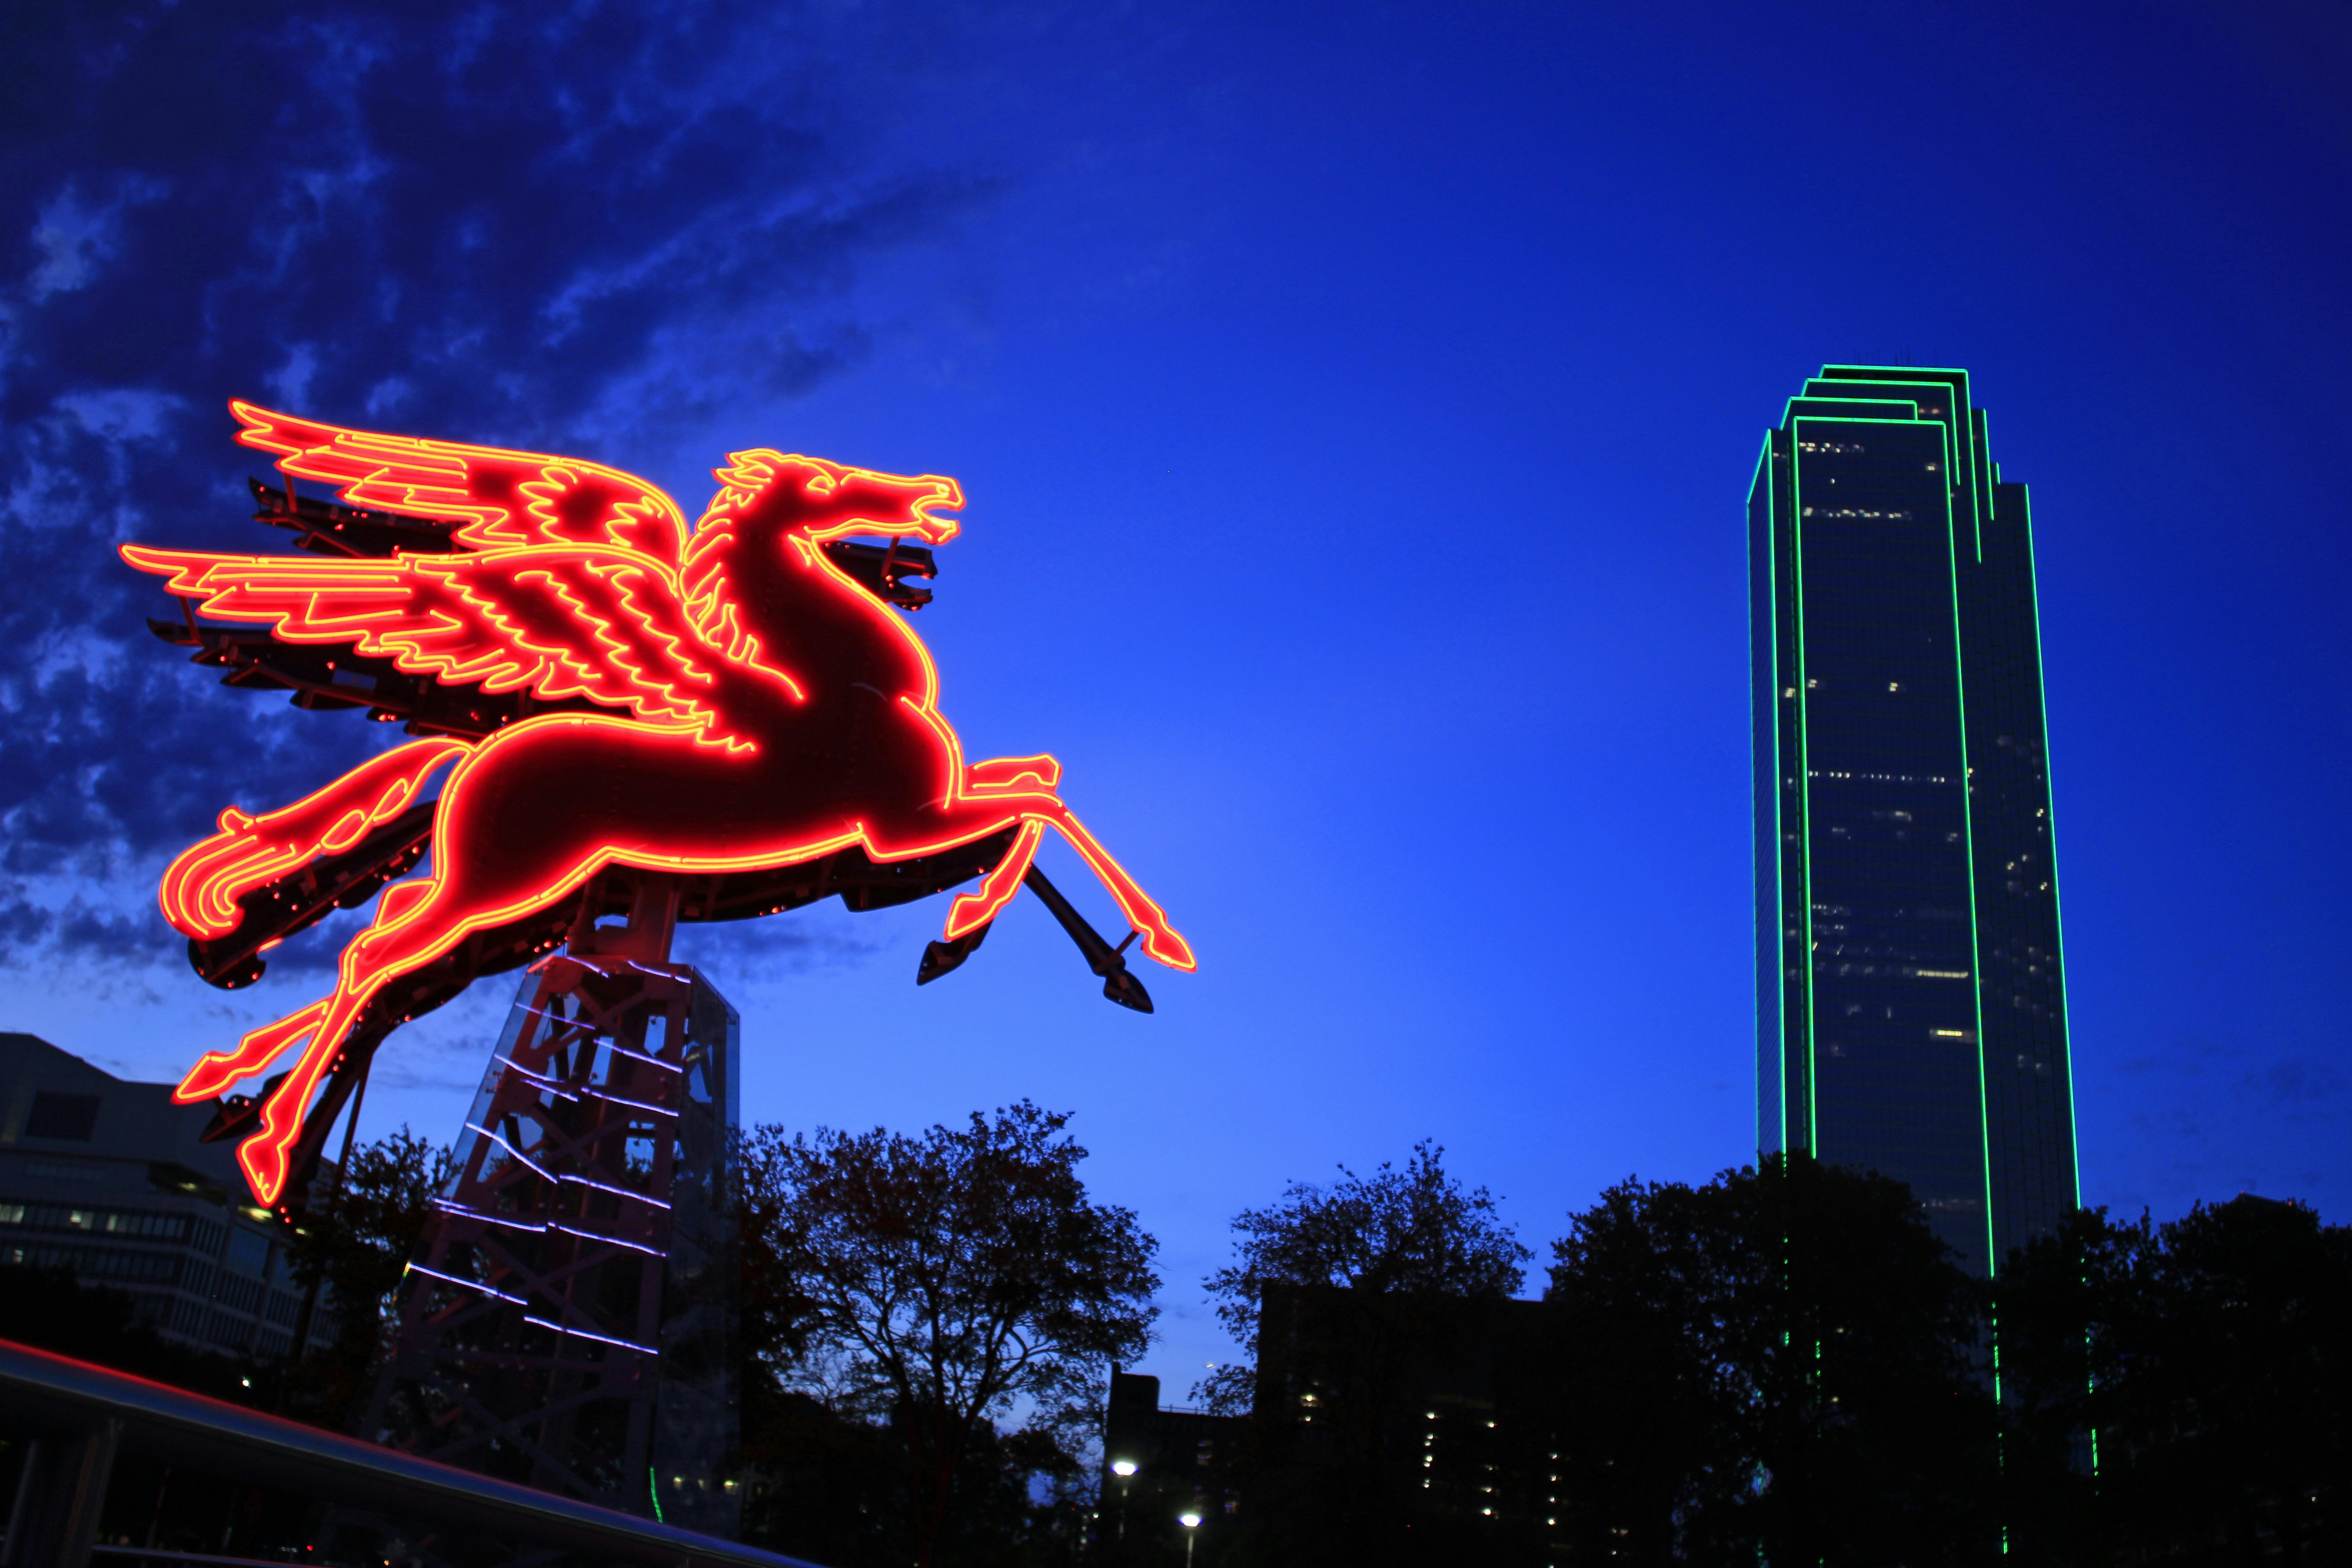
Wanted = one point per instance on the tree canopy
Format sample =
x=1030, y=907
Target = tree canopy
x=1784, y=1359
x=912, y=1294
x=2181, y=1391
x=1410, y=1231
x=355, y=1242
x=1344, y=1294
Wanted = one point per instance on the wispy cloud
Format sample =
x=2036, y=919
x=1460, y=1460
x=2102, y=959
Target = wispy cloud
x=567, y=227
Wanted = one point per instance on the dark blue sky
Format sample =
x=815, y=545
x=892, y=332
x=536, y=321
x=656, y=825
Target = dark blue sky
x=1355, y=405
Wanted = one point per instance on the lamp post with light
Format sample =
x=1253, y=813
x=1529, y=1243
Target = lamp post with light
x=1125, y=1470
x=1190, y=1520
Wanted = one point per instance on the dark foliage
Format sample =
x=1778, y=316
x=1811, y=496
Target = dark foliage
x=1413, y=1232
x=1783, y=1360
x=2182, y=1392
x=903, y=1297
x=353, y=1245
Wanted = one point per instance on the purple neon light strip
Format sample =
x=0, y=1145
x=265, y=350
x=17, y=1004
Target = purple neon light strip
x=514, y=1152
x=599, y=1339
x=612, y=1240
x=634, y=1104
x=553, y=1086
x=446, y=1206
x=553, y=1177
x=617, y=1192
x=620, y=1050
x=557, y=1087
x=466, y=1284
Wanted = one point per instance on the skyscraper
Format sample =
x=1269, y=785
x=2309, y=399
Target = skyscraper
x=1911, y=1004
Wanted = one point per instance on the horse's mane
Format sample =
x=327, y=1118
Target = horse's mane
x=704, y=574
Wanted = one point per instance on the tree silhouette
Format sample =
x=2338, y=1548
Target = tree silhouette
x=2181, y=1391
x=915, y=1292
x=1782, y=1360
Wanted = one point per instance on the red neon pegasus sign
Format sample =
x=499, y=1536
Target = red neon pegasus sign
x=771, y=709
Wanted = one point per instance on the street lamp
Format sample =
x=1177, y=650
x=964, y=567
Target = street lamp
x=1125, y=1470
x=1191, y=1520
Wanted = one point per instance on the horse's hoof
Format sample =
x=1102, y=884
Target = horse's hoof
x=1126, y=990
x=942, y=956
x=239, y=1114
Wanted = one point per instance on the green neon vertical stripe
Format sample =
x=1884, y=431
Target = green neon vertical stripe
x=1771, y=608
x=1804, y=773
x=1969, y=840
x=2057, y=909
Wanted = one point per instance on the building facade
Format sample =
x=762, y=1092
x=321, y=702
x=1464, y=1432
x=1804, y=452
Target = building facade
x=107, y=1177
x=1911, y=1004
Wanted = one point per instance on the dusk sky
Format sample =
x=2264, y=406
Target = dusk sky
x=1355, y=405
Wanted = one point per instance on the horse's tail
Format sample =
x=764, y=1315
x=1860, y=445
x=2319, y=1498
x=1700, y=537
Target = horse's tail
x=201, y=889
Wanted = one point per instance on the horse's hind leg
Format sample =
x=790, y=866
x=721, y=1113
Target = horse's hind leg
x=215, y=1070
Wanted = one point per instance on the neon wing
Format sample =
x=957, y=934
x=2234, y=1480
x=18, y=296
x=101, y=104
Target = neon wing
x=562, y=621
x=502, y=499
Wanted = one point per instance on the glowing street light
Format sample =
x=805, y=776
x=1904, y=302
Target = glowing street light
x=1125, y=1470
x=1190, y=1520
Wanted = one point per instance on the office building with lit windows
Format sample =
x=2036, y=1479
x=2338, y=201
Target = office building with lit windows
x=1911, y=1004
x=111, y=1180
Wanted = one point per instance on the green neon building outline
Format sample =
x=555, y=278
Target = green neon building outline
x=1966, y=441
x=1762, y=485
x=1957, y=429
x=1804, y=783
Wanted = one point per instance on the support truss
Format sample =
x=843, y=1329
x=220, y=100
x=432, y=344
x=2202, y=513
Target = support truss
x=567, y=1321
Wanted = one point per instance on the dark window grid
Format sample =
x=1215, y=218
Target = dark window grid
x=108, y=1263
x=86, y=1219
x=240, y=1295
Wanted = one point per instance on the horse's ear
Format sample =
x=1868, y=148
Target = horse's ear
x=745, y=475
x=747, y=470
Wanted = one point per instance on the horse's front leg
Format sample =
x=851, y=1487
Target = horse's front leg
x=1160, y=942
x=971, y=911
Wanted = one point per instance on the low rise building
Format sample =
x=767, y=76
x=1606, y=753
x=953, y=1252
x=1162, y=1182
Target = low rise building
x=109, y=1178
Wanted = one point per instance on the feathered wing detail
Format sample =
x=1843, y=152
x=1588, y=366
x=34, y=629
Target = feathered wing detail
x=502, y=499
x=607, y=625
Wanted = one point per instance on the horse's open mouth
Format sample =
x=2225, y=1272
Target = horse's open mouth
x=881, y=570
